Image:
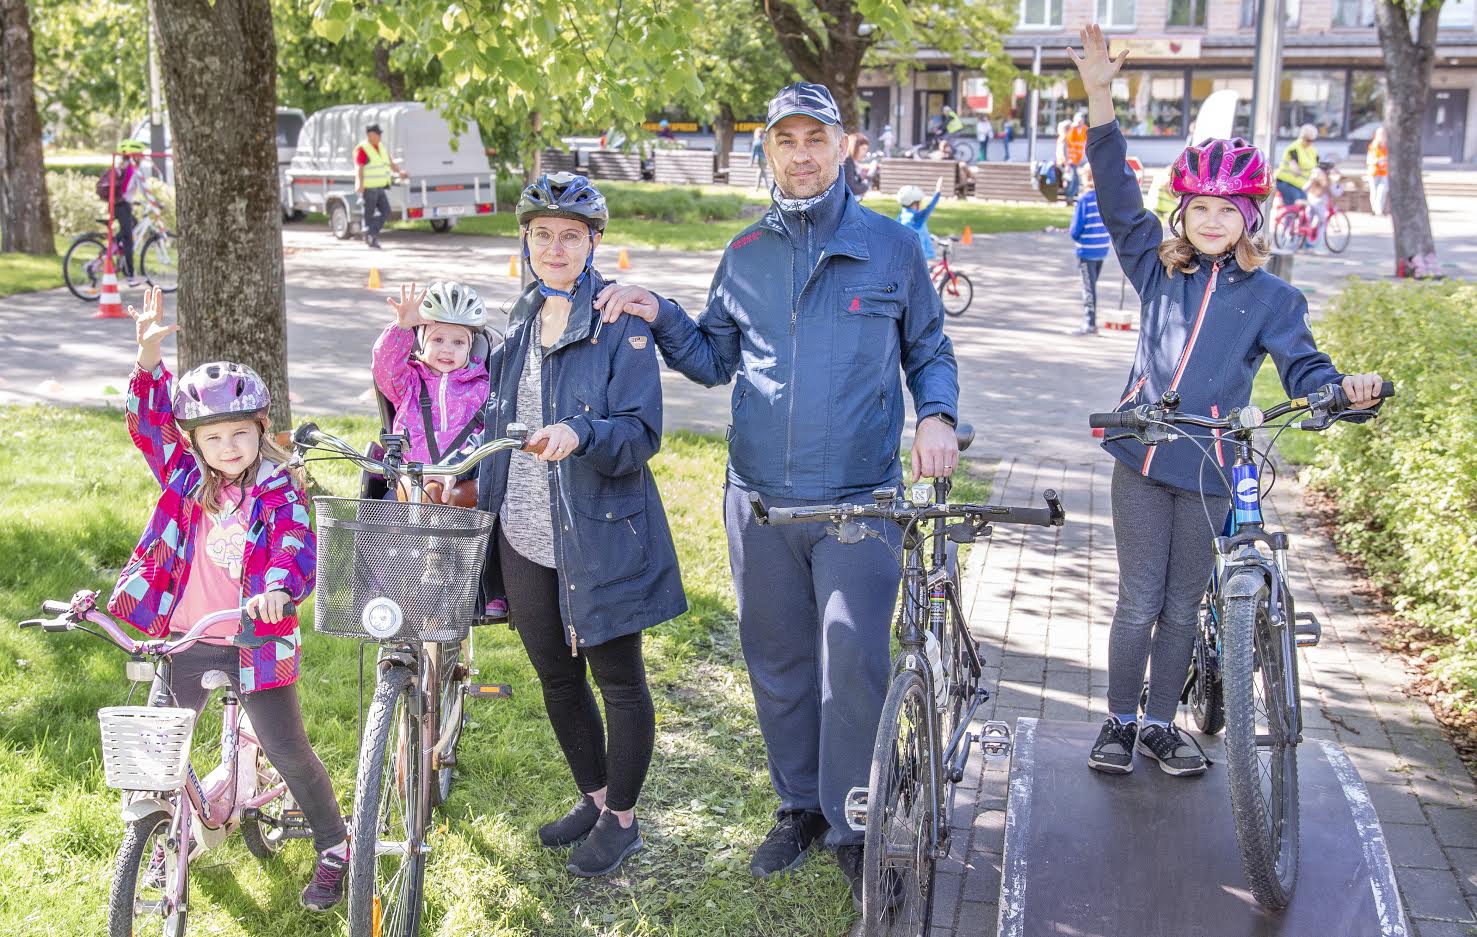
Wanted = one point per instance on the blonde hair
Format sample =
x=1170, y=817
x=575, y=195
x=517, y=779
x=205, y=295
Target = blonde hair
x=1179, y=256
x=213, y=482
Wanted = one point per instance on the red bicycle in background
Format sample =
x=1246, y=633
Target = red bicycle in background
x=1297, y=227
x=954, y=287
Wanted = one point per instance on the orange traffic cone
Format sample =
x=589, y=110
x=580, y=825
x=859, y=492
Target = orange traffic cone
x=624, y=263
x=374, y=278
x=109, y=303
x=513, y=266
x=968, y=237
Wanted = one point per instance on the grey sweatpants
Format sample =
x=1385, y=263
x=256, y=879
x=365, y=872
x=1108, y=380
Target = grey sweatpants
x=277, y=720
x=1164, y=563
x=814, y=616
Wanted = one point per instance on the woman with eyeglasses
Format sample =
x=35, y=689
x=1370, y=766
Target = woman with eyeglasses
x=582, y=550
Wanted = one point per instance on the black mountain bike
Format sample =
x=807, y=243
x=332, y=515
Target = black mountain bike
x=1243, y=674
x=924, y=736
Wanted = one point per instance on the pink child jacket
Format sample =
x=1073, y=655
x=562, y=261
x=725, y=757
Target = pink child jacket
x=456, y=398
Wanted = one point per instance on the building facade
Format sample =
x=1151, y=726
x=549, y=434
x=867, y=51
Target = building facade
x=1184, y=50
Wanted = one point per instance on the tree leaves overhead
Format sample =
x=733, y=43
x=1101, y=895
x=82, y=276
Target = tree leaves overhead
x=579, y=66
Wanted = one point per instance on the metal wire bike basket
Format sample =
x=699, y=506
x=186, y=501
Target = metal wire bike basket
x=397, y=572
x=146, y=748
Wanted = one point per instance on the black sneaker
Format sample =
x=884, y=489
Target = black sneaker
x=784, y=848
x=850, y=858
x=607, y=846
x=1112, y=753
x=573, y=826
x=1177, y=754
x=327, y=887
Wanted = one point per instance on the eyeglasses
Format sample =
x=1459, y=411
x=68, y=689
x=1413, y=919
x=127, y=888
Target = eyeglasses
x=543, y=239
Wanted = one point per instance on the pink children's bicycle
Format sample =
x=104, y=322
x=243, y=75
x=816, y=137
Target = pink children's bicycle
x=171, y=815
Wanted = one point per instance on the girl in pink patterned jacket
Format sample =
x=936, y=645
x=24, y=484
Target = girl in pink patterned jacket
x=432, y=368
x=230, y=534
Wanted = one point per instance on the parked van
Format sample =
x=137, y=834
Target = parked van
x=449, y=175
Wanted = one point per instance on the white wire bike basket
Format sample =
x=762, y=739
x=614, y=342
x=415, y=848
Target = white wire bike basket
x=146, y=748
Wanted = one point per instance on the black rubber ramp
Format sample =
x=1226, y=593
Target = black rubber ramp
x=1150, y=855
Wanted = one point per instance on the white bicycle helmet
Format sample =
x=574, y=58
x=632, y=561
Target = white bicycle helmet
x=909, y=194
x=454, y=304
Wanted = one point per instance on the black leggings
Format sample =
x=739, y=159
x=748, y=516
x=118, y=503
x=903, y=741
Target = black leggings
x=277, y=720
x=533, y=606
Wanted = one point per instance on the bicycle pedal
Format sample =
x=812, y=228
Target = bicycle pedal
x=1307, y=630
x=489, y=690
x=995, y=739
x=855, y=809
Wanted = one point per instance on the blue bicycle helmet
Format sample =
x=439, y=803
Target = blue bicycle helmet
x=563, y=195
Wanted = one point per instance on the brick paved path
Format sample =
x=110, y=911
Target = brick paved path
x=1041, y=602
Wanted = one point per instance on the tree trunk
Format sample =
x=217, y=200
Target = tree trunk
x=391, y=79
x=723, y=131
x=220, y=79
x=1408, y=77
x=833, y=60
x=25, y=209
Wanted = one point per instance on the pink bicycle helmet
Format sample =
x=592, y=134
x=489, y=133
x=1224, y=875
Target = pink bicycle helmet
x=1222, y=168
x=220, y=390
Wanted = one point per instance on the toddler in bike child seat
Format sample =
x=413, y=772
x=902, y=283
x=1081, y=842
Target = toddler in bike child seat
x=1323, y=188
x=230, y=533
x=431, y=365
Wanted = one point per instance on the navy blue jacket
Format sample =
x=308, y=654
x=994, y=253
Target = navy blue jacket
x=814, y=312
x=616, y=561
x=1203, y=334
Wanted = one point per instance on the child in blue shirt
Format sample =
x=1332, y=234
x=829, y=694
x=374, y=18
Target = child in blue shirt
x=1092, y=246
x=910, y=197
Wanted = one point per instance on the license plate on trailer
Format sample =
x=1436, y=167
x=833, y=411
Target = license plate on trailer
x=450, y=211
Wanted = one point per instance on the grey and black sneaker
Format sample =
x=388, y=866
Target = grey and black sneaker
x=785, y=846
x=1112, y=753
x=607, y=846
x=327, y=887
x=573, y=826
x=1176, y=753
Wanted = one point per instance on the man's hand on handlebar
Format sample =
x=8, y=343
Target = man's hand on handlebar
x=271, y=606
x=935, y=449
x=1363, y=390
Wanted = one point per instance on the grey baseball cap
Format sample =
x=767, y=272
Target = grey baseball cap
x=803, y=97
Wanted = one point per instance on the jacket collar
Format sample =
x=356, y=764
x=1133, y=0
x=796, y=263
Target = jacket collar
x=581, y=313
x=849, y=238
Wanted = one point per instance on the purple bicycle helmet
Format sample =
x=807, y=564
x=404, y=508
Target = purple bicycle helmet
x=220, y=390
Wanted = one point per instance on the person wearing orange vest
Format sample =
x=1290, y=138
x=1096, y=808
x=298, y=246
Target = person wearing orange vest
x=1072, y=150
x=1377, y=170
x=373, y=172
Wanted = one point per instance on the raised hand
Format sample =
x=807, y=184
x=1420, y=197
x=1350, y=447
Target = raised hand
x=150, y=328
x=408, y=307
x=1095, y=65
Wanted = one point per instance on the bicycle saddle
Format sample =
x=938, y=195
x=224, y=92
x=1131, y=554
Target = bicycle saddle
x=214, y=680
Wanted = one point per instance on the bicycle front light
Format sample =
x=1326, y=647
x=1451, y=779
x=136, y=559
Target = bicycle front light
x=382, y=617
x=921, y=495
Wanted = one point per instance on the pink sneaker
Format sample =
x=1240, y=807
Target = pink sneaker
x=497, y=610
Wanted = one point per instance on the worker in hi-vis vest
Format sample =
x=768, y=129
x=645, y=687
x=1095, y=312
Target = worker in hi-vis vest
x=373, y=172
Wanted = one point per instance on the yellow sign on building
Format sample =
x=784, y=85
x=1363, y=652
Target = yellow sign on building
x=1161, y=47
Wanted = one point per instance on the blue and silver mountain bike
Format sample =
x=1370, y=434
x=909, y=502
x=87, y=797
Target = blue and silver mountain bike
x=1243, y=675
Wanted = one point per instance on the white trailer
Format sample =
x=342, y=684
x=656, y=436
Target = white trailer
x=450, y=177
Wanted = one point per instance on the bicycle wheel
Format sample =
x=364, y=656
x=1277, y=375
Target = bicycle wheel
x=956, y=292
x=1336, y=232
x=452, y=688
x=264, y=838
x=1207, y=699
x=143, y=877
x=386, y=864
x=158, y=262
x=82, y=267
x=1287, y=235
x=955, y=655
x=897, y=875
x=1261, y=746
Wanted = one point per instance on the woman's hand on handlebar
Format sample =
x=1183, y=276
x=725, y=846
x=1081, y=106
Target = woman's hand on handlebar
x=1363, y=390
x=269, y=606
x=552, y=443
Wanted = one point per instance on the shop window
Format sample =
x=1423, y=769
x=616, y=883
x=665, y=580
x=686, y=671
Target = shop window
x=1150, y=103
x=1315, y=98
x=1205, y=83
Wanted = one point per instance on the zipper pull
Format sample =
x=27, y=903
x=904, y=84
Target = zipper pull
x=573, y=642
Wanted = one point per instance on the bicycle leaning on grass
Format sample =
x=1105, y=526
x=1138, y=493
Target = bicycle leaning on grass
x=171, y=815
x=402, y=575
x=1243, y=673
x=924, y=736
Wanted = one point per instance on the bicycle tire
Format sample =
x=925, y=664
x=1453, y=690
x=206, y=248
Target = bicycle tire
x=264, y=840
x=1287, y=234
x=1266, y=821
x=1336, y=232
x=82, y=283
x=956, y=293
x=451, y=686
x=164, y=272
x=389, y=732
x=1207, y=696
x=139, y=837
x=904, y=776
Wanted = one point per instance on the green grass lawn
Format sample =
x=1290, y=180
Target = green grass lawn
x=707, y=217
x=1296, y=446
x=77, y=497
x=28, y=273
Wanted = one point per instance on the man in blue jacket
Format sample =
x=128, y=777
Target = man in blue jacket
x=813, y=312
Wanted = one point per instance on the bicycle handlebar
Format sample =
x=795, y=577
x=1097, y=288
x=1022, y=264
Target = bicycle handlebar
x=309, y=436
x=1053, y=515
x=1327, y=401
x=69, y=620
